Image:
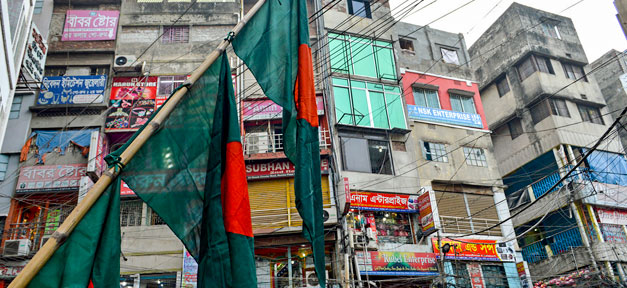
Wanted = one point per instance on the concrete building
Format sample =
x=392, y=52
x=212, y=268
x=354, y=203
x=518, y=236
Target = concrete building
x=621, y=16
x=455, y=156
x=545, y=112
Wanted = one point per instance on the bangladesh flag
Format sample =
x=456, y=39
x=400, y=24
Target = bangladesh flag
x=191, y=172
x=274, y=44
x=91, y=254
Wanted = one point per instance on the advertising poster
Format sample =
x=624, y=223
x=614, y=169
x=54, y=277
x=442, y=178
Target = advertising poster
x=72, y=90
x=384, y=202
x=35, y=56
x=132, y=101
x=397, y=263
x=89, y=25
x=474, y=271
x=426, y=215
x=50, y=178
x=190, y=270
x=477, y=250
x=267, y=109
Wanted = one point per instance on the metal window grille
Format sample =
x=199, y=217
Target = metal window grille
x=475, y=157
x=435, y=152
x=131, y=213
x=175, y=34
x=155, y=219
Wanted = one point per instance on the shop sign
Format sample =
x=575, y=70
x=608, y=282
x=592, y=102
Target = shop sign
x=426, y=214
x=125, y=190
x=96, y=163
x=474, y=271
x=35, y=57
x=613, y=233
x=522, y=273
x=84, y=185
x=612, y=216
x=267, y=109
x=444, y=116
x=190, y=271
x=277, y=169
x=132, y=102
x=384, y=202
x=476, y=250
x=50, y=178
x=89, y=25
x=11, y=269
x=397, y=263
x=72, y=90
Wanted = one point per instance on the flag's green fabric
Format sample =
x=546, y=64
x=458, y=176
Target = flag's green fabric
x=274, y=44
x=91, y=252
x=181, y=173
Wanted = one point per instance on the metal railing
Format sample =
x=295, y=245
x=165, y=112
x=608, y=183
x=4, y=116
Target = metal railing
x=257, y=143
x=559, y=243
x=33, y=231
x=534, y=252
x=464, y=225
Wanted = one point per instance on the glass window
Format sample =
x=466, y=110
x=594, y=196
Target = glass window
x=39, y=5
x=131, y=212
x=362, y=56
x=462, y=278
x=574, y=72
x=540, y=111
x=494, y=276
x=359, y=8
x=590, y=114
x=558, y=107
x=378, y=158
x=15, y=107
x=339, y=52
x=167, y=84
x=379, y=111
x=175, y=34
x=544, y=64
x=449, y=56
x=550, y=30
x=475, y=157
x=406, y=44
x=515, y=128
x=461, y=103
x=526, y=68
x=395, y=107
x=532, y=64
x=343, y=107
x=502, y=86
x=393, y=227
x=426, y=98
x=385, y=62
x=435, y=152
x=4, y=166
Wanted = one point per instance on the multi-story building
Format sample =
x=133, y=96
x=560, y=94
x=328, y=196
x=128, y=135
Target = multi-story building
x=545, y=113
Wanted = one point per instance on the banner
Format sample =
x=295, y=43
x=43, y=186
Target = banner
x=397, y=263
x=267, y=109
x=72, y=90
x=35, y=57
x=477, y=250
x=444, y=116
x=125, y=190
x=426, y=214
x=96, y=164
x=190, y=271
x=50, y=178
x=88, y=25
x=280, y=169
x=476, y=277
x=132, y=101
x=384, y=202
x=612, y=216
x=10, y=269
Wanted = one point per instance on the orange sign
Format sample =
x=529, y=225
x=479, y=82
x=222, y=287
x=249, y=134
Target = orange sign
x=475, y=249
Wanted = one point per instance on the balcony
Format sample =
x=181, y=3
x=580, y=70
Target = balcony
x=464, y=225
x=31, y=232
x=558, y=244
x=263, y=142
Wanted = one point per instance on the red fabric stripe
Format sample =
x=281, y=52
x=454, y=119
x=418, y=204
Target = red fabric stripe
x=304, y=90
x=235, y=203
x=91, y=284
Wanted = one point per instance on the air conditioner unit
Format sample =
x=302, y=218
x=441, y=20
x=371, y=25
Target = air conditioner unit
x=311, y=279
x=258, y=142
x=43, y=240
x=362, y=239
x=20, y=247
x=127, y=63
x=330, y=215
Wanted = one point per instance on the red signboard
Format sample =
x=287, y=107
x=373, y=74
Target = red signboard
x=426, y=215
x=50, y=178
x=397, y=263
x=474, y=271
x=132, y=102
x=476, y=249
x=125, y=190
x=612, y=216
x=384, y=202
x=277, y=169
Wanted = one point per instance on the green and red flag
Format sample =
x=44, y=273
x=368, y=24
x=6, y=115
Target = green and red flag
x=191, y=172
x=274, y=44
x=90, y=256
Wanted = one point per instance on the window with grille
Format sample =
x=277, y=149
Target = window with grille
x=515, y=128
x=532, y=64
x=475, y=157
x=4, y=165
x=175, y=34
x=426, y=98
x=167, y=84
x=590, y=114
x=99, y=70
x=462, y=103
x=494, y=276
x=435, y=152
x=573, y=71
x=502, y=86
x=131, y=213
x=15, y=107
x=155, y=219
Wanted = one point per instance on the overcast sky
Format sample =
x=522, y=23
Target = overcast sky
x=595, y=20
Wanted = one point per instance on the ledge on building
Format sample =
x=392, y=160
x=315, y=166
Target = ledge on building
x=370, y=130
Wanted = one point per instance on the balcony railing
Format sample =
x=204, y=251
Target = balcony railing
x=534, y=252
x=464, y=225
x=33, y=231
x=256, y=143
x=558, y=244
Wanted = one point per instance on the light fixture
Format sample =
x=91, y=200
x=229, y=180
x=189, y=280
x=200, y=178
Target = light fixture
x=387, y=215
x=123, y=283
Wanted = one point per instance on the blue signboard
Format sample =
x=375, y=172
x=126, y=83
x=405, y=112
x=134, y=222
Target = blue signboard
x=444, y=116
x=72, y=90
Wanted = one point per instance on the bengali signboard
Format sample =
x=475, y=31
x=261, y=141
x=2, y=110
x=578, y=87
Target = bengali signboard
x=190, y=271
x=50, y=178
x=11, y=269
x=96, y=163
x=397, y=263
x=444, y=116
x=35, y=57
x=72, y=90
x=132, y=102
x=384, y=202
x=476, y=277
x=267, y=109
x=612, y=216
x=476, y=250
x=426, y=214
x=125, y=190
x=90, y=25
x=277, y=169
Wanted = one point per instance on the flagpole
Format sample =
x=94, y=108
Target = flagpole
x=60, y=235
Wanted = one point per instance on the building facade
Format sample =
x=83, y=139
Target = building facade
x=545, y=114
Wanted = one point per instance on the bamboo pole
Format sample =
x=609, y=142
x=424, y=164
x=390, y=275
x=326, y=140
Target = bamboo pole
x=60, y=235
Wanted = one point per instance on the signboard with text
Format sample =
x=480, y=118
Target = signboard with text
x=384, y=202
x=90, y=25
x=35, y=54
x=11, y=269
x=72, y=90
x=612, y=216
x=476, y=277
x=132, y=102
x=476, y=249
x=277, y=169
x=267, y=109
x=50, y=178
x=397, y=263
x=444, y=116
x=426, y=214
x=96, y=164
x=125, y=190
x=190, y=271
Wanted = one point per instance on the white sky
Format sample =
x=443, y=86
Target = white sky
x=595, y=20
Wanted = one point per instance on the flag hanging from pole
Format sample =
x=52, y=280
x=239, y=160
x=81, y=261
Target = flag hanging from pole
x=191, y=172
x=274, y=44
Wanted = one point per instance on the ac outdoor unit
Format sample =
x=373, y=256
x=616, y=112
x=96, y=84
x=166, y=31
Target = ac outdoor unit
x=362, y=239
x=127, y=63
x=311, y=279
x=19, y=247
x=330, y=215
x=257, y=142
